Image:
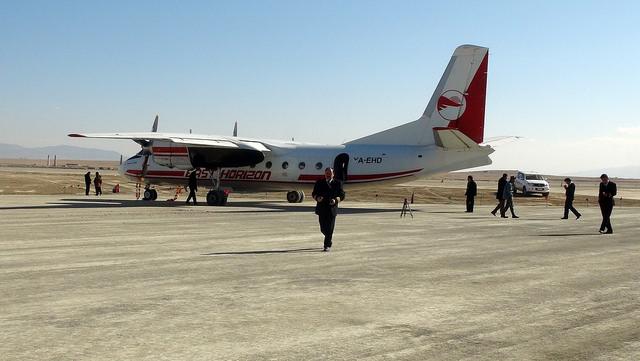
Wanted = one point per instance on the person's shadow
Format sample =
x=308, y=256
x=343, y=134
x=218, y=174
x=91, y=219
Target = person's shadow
x=260, y=252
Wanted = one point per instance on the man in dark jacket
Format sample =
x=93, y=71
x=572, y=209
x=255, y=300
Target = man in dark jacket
x=568, y=202
x=472, y=191
x=501, y=182
x=193, y=186
x=327, y=192
x=87, y=183
x=607, y=191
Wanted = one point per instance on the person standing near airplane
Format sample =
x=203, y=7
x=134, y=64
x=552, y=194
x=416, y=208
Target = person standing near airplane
x=608, y=190
x=568, y=202
x=507, y=196
x=327, y=192
x=97, y=184
x=501, y=182
x=87, y=183
x=472, y=191
x=193, y=187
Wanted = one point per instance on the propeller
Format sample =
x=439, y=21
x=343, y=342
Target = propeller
x=146, y=149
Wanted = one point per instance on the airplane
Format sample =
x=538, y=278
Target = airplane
x=448, y=136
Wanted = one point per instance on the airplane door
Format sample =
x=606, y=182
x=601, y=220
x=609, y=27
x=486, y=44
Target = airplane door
x=340, y=165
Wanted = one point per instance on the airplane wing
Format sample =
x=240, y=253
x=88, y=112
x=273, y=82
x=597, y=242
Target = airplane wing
x=144, y=138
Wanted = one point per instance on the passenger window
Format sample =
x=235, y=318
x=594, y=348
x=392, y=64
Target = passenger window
x=319, y=165
x=301, y=165
x=285, y=165
x=268, y=165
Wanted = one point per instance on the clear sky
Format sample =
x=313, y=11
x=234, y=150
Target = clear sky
x=562, y=74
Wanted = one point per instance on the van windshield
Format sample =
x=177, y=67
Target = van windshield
x=534, y=177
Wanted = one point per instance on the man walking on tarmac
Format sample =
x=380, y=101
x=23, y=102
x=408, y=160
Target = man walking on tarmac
x=607, y=191
x=568, y=202
x=499, y=196
x=328, y=193
x=193, y=187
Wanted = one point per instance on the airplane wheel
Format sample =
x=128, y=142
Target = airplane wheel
x=293, y=197
x=147, y=195
x=301, y=198
x=216, y=198
x=154, y=194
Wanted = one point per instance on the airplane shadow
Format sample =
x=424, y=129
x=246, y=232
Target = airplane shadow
x=81, y=203
x=566, y=234
x=232, y=207
x=275, y=251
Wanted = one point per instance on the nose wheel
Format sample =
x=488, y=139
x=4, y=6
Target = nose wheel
x=216, y=196
x=149, y=195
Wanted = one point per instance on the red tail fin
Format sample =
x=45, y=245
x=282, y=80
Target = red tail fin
x=471, y=122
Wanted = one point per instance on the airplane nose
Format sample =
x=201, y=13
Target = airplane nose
x=121, y=169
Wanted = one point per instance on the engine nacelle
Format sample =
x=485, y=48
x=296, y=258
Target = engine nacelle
x=170, y=154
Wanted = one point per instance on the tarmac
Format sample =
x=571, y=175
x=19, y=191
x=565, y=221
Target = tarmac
x=86, y=278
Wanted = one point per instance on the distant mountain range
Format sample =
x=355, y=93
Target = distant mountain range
x=12, y=151
x=615, y=172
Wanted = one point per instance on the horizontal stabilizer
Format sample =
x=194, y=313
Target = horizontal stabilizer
x=451, y=138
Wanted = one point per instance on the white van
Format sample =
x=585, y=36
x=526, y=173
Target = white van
x=531, y=182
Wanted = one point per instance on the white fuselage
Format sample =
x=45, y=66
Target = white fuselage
x=297, y=166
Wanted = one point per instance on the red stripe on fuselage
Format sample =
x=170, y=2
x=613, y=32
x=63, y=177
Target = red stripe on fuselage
x=302, y=177
x=360, y=177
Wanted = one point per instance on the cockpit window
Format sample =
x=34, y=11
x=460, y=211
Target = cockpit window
x=138, y=155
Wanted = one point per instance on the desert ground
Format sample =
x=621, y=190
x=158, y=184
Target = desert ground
x=114, y=278
x=111, y=278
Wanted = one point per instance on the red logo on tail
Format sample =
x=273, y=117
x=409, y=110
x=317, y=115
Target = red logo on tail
x=451, y=105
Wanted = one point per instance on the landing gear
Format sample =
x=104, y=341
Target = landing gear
x=295, y=197
x=149, y=194
x=216, y=196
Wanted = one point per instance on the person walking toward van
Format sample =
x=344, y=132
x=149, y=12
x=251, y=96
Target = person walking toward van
x=507, y=195
x=568, y=201
x=501, y=182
